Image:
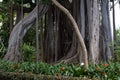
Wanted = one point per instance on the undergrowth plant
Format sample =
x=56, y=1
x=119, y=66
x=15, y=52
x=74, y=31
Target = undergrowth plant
x=117, y=45
x=28, y=52
x=102, y=71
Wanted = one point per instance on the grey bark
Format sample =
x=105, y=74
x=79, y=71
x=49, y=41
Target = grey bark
x=51, y=41
x=88, y=27
x=50, y=38
x=106, y=32
x=16, y=36
x=76, y=29
x=37, y=34
x=94, y=29
x=82, y=23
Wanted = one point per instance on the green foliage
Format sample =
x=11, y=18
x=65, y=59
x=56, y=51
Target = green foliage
x=29, y=38
x=101, y=71
x=4, y=33
x=28, y=52
x=4, y=27
x=117, y=45
x=0, y=18
x=2, y=48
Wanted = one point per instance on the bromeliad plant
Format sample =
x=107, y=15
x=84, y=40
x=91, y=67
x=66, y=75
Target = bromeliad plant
x=100, y=71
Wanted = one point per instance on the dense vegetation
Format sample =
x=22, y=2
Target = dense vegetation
x=100, y=71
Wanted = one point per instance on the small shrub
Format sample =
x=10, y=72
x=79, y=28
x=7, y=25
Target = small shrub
x=28, y=52
x=3, y=49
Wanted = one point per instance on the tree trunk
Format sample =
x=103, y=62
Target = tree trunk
x=75, y=27
x=16, y=36
x=105, y=38
x=114, y=32
x=94, y=31
x=11, y=17
x=37, y=35
x=49, y=40
x=81, y=24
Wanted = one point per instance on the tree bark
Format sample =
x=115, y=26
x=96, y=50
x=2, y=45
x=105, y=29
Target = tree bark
x=114, y=32
x=11, y=17
x=75, y=27
x=81, y=24
x=105, y=32
x=37, y=35
x=94, y=31
x=16, y=36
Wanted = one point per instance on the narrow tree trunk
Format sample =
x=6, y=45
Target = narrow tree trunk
x=18, y=15
x=82, y=24
x=37, y=38
x=56, y=30
x=114, y=20
x=11, y=17
x=88, y=22
x=50, y=36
